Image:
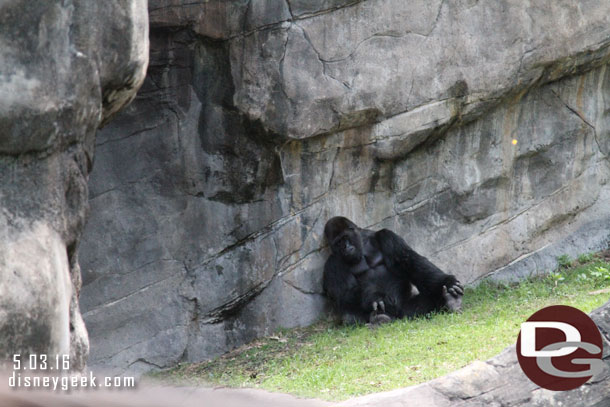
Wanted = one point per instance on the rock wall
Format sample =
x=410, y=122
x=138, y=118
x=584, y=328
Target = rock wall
x=259, y=120
x=60, y=78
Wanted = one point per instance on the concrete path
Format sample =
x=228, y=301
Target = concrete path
x=145, y=396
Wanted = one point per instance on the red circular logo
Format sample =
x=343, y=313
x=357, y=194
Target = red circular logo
x=559, y=348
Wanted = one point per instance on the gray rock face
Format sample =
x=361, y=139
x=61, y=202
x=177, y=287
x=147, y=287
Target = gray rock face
x=60, y=78
x=260, y=120
x=384, y=57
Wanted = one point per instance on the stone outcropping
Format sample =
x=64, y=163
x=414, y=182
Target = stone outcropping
x=61, y=76
x=259, y=120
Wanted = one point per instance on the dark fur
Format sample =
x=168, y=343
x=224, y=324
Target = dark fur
x=367, y=268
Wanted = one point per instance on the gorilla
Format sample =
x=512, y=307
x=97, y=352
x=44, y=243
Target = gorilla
x=369, y=276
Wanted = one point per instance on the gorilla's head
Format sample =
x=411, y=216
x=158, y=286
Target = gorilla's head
x=344, y=239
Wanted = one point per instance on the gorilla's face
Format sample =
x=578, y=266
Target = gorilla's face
x=348, y=245
x=344, y=239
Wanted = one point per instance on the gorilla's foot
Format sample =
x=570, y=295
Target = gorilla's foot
x=378, y=316
x=378, y=319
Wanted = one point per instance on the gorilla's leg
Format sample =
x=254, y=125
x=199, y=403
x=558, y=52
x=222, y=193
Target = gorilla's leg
x=422, y=304
x=419, y=305
x=429, y=279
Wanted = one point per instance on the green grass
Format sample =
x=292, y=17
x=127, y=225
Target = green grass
x=336, y=363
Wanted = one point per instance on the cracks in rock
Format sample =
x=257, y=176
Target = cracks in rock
x=412, y=109
x=346, y=85
x=286, y=268
x=333, y=165
x=294, y=21
x=194, y=317
x=322, y=63
x=289, y=267
x=290, y=9
x=421, y=203
x=132, y=345
x=140, y=267
x=582, y=118
x=376, y=224
x=573, y=110
x=306, y=16
x=281, y=67
x=233, y=306
x=246, y=16
x=284, y=258
x=534, y=272
x=147, y=362
x=374, y=36
x=185, y=4
x=267, y=27
x=119, y=187
x=56, y=146
x=519, y=88
x=131, y=294
x=513, y=217
x=299, y=289
x=279, y=262
x=135, y=133
x=602, y=378
x=493, y=362
x=411, y=87
x=438, y=16
x=454, y=397
x=263, y=232
x=525, y=54
x=218, y=313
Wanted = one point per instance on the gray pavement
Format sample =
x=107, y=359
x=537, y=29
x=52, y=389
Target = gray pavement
x=152, y=396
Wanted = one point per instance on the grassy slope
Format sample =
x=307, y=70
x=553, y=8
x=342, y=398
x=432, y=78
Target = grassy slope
x=340, y=362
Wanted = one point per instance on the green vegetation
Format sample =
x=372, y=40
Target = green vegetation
x=586, y=258
x=336, y=363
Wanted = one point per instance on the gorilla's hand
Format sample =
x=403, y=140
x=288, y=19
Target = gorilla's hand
x=453, y=296
x=456, y=289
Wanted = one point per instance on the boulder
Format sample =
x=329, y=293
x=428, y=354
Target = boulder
x=65, y=69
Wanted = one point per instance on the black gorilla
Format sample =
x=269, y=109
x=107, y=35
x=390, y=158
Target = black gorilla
x=370, y=275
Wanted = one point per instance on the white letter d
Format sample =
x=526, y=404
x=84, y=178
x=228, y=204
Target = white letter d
x=528, y=338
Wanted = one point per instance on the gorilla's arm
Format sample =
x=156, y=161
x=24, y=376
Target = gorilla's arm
x=340, y=285
x=403, y=261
